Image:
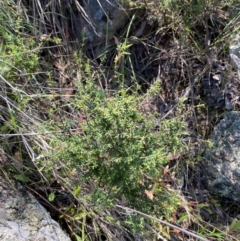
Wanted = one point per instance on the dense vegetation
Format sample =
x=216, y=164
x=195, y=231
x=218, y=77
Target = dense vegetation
x=107, y=147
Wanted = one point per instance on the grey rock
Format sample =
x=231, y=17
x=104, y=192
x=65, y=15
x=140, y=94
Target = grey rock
x=23, y=218
x=234, y=46
x=222, y=162
x=234, y=54
x=100, y=19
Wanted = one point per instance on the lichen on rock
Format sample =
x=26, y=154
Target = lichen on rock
x=222, y=162
x=23, y=218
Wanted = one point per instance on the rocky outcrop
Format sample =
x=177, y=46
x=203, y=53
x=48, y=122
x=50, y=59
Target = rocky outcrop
x=23, y=218
x=222, y=162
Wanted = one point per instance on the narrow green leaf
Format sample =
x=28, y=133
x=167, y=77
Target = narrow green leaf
x=235, y=225
x=78, y=238
x=51, y=197
x=77, y=191
x=22, y=178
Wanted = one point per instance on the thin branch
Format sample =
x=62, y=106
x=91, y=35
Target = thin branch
x=163, y=222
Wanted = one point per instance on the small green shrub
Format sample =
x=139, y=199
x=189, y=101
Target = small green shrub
x=117, y=147
x=18, y=52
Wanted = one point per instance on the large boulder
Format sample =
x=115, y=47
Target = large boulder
x=23, y=218
x=222, y=162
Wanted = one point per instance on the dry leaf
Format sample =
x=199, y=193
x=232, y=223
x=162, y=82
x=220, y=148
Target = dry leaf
x=173, y=156
x=149, y=194
x=69, y=91
x=116, y=40
x=165, y=170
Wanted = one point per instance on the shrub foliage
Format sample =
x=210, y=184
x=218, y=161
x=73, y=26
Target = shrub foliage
x=116, y=145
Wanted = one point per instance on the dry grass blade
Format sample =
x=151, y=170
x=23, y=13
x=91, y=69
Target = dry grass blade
x=175, y=43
